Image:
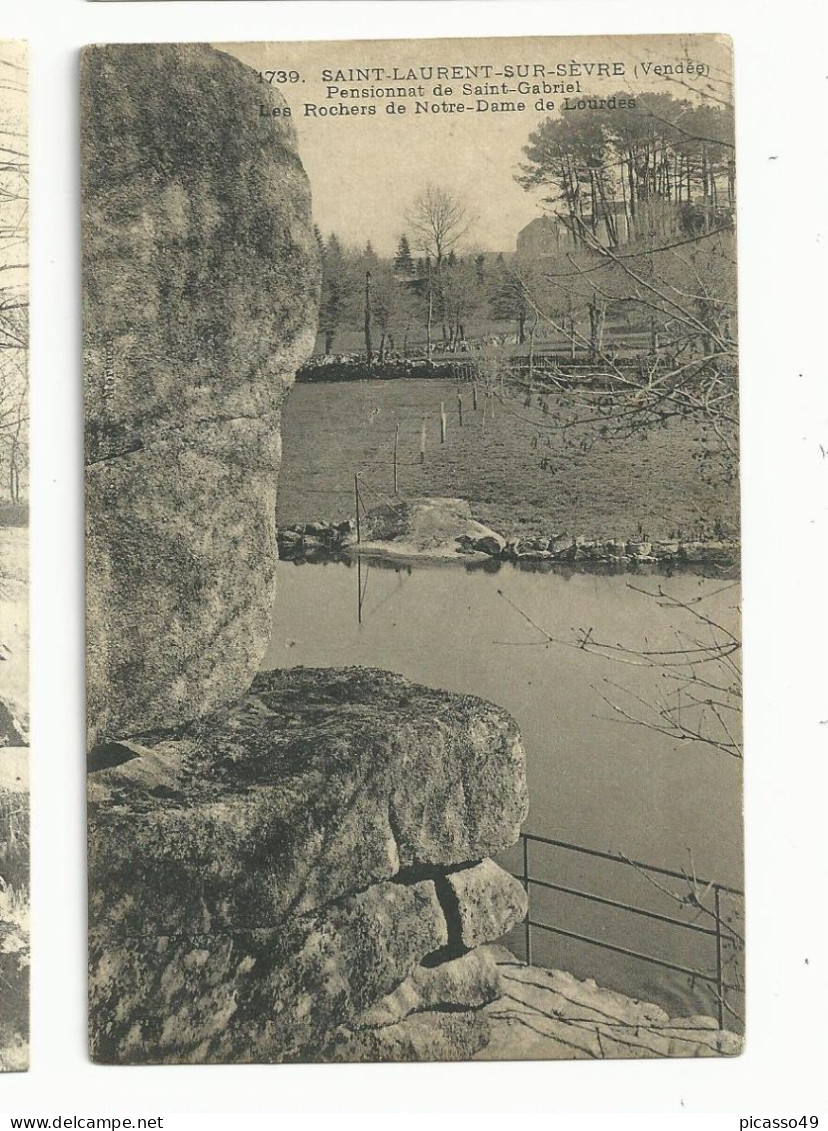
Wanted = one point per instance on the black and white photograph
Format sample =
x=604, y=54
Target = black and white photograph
x=413, y=551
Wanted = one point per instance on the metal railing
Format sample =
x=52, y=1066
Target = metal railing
x=716, y=932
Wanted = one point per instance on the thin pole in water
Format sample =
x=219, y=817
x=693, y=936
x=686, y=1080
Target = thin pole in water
x=423, y=440
x=442, y=422
x=356, y=502
x=396, y=456
x=460, y=408
x=359, y=588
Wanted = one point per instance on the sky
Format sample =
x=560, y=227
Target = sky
x=366, y=171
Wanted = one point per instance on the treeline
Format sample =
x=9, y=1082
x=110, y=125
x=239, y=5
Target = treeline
x=665, y=166
x=410, y=304
x=656, y=179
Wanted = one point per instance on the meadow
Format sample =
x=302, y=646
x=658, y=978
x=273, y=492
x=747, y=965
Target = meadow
x=519, y=477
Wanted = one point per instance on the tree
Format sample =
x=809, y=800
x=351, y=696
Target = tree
x=403, y=260
x=459, y=297
x=646, y=195
x=439, y=222
x=654, y=168
x=14, y=176
x=339, y=286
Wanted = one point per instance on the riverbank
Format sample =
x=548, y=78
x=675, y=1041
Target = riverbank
x=323, y=541
x=518, y=470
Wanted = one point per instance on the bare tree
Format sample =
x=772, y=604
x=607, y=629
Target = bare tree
x=699, y=675
x=644, y=200
x=14, y=175
x=438, y=221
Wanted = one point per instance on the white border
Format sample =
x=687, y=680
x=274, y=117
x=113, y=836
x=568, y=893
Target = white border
x=781, y=102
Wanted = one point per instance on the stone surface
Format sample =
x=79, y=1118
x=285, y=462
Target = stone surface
x=550, y=1015
x=200, y=280
x=263, y=995
x=489, y=902
x=270, y=879
x=427, y=527
x=492, y=544
x=421, y=1037
x=316, y=783
x=470, y=981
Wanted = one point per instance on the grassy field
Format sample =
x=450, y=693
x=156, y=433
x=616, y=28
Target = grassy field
x=517, y=486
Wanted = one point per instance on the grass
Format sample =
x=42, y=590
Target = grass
x=518, y=486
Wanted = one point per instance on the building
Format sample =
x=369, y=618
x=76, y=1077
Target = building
x=552, y=235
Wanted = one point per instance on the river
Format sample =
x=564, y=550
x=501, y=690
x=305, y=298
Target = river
x=596, y=779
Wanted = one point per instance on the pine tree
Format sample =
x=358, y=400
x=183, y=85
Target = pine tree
x=403, y=260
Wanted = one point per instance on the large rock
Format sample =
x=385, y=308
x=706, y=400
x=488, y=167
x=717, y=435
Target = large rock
x=200, y=279
x=317, y=783
x=489, y=902
x=424, y=528
x=551, y=1015
x=423, y=1036
x=270, y=994
x=470, y=982
x=302, y=869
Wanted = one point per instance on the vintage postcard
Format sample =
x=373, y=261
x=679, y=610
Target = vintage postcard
x=413, y=643
x=14, y=560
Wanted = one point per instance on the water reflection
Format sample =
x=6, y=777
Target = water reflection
x=592, y=781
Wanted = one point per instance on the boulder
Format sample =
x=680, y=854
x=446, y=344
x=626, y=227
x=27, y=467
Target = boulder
x=423, y=1036
x=551, y=1015
x=559, y=544
x=317, y=783
x=489, y=902
x=491, y=543
x=275, y=880
x=425, y=528
x=262, y=995
x=200, y=283
x=470, y=981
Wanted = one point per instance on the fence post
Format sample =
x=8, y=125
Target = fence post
x=719, y=964
x=474, y=395
x=528, y=926
x=460, y=408
x=396, y=453
x=423, y=440
x=442, y=422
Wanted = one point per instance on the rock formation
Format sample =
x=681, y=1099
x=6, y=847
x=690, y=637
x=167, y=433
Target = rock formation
x=291, y=867
x=550, y=1015
x=200, y=280
x=283, y=866
x=303, y=875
